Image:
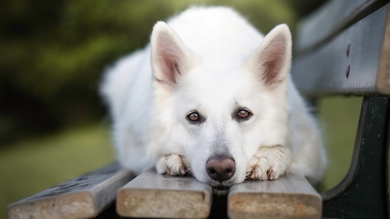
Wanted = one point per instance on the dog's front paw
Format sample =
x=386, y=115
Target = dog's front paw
x=173, y=164
x=268, y=163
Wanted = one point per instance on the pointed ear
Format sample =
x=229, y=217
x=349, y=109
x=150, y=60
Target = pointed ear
x=170, y=58
x=272, y=59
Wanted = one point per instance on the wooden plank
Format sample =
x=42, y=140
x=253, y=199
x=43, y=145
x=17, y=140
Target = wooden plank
x=81, y=197
x=330, y=19
x=288, y=197
x=159, y=196
x=356, y=62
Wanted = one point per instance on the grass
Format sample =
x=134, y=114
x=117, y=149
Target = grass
x=31, y=166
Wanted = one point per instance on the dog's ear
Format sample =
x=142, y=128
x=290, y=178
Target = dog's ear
x=170, y=58
x=272, y=59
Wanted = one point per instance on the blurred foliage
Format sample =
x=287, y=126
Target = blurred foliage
x=54, y=52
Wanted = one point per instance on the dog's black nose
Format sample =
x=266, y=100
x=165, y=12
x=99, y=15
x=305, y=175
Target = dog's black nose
x=220, y=167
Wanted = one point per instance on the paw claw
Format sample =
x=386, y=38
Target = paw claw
x=173, y=165
x=272, y=175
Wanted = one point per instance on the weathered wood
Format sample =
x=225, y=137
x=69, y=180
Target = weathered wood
x=288, y=197
x=356, y=62
x=81, y=197
x=158, y=196
x=330, y=19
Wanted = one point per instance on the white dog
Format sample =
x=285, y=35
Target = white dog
x=212, y=97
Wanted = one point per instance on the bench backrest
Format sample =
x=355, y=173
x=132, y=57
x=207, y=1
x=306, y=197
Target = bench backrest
x=343, y=48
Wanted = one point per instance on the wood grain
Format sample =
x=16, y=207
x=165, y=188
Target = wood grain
x=81, y=197
x=355, y=62
x=288, y=197
x=330, y=19
x=158, y=196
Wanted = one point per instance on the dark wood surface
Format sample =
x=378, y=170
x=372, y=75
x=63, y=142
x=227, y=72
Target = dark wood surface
x=363, y=191
x=333, y=17
x=355, y=62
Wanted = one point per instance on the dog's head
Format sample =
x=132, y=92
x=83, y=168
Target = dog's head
x=218, y=114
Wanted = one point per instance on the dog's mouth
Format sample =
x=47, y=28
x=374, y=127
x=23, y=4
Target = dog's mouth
x=221, y=190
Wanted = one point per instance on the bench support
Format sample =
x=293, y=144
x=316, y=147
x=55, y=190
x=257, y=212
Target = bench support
x=363, y=193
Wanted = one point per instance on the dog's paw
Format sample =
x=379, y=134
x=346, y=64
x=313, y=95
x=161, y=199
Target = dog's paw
x=173, y=164
x=268, y=163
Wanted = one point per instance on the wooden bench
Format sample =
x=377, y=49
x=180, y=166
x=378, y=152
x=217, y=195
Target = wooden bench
x=343, y=48
x=156, y=196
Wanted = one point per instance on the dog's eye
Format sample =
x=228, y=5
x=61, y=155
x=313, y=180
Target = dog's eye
x=194, y=117
x=242, y=114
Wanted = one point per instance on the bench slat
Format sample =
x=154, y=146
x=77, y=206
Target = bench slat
x=290, y=196
x=81, y=197
x=154, y=195
x=356, y=62
x=330, y=19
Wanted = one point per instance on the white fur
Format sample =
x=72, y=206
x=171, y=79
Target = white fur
x=219, y=66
